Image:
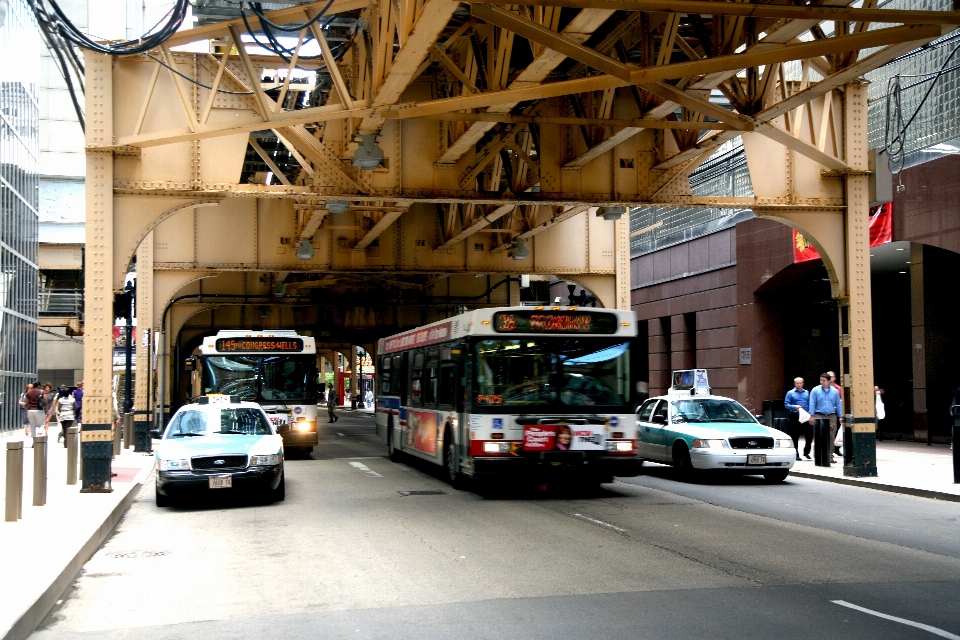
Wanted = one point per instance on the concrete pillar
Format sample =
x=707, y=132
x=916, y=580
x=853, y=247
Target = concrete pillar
x=97, y=420
x=142, y=402
x=860, y=447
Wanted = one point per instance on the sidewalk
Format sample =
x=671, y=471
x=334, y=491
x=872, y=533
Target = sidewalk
x=902, y=467
x=41, y=554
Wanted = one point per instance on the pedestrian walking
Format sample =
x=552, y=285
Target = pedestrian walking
x=797, y=400
x=880, y=411
x=826, y=404
x=332, y=403
x=78, y=396
x=24, y=422
x=66, y=405
x=833, y=382
x=33, y=405
x=49, y=405
x=368, y=399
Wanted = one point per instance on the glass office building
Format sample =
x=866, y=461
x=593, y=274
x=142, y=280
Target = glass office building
x=19, y=192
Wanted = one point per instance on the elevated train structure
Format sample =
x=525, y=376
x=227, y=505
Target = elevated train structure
x=437, y=141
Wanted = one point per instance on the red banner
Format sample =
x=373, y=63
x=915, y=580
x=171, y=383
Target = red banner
x=881, y=232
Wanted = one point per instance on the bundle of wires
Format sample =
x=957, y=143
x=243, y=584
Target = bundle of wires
x=150, y=40
x=64, y=56
x=268, y=27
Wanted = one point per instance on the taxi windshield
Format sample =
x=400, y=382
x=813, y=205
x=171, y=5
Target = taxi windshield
x=712, y=410
x=234, y=421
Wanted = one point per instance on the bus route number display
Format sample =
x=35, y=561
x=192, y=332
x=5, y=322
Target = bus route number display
x=246, y=345
x=554, y=322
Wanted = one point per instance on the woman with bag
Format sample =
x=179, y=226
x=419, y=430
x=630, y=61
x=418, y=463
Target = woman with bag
x=49, y=405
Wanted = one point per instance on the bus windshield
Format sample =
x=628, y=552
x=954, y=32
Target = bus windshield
x=261, y=378
x=552, y=372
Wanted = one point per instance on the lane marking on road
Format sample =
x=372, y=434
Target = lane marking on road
x=605, y=524
x=360, y=458
x=373, y=474
x=910, y=623
x=340, y=434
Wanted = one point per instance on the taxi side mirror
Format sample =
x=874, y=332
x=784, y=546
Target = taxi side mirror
x=658, y=419
x=155, y=434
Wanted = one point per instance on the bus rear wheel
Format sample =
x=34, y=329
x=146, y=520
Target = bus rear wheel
x=451, y=461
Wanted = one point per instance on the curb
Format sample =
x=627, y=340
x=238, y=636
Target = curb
x=30, y=619
x=920, y=493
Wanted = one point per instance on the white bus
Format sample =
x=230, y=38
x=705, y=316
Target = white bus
x=275, y=368
x=513, y=390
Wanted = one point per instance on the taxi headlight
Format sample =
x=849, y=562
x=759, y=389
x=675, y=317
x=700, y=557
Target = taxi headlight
x=710, y=444
x=496, y=447
x=785, y=444
x=271, y=460
x=173, y=465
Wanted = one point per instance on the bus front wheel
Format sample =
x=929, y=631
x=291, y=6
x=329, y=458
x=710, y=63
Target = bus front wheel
x=392, y=450
x=451, y=461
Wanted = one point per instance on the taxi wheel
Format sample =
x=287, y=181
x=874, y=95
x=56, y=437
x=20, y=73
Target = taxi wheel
x=776, y=476
x=162, y=500
x=280, y=493
x=682, y=463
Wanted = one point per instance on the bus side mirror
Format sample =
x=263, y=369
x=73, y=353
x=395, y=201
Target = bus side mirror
x=190, y=364
x=155, y=434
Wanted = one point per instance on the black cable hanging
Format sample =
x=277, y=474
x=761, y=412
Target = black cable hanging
x=895, y=147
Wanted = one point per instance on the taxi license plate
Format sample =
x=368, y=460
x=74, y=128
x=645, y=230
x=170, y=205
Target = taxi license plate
x=221, y=483
x=757, y=459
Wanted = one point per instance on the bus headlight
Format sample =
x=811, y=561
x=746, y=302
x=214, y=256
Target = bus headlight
x=496, y=447
x=271, y=460
x=619, y=445
x=303, y=426
x=173, y=465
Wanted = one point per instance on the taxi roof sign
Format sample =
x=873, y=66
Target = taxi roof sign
x=218, y=398
x=690, y=381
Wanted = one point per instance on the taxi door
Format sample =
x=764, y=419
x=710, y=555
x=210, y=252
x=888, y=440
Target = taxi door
x=655, y=436
x=646, y=429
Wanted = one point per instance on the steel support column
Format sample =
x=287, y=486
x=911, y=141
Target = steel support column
x=860, y=444
x=142, y=401
x=96, y=438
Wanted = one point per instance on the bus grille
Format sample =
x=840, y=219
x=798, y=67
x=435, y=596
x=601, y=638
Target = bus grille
x=751, y=443
x=210, y=463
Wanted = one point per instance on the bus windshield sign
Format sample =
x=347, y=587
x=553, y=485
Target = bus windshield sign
x=554, y=322
x=246, y=345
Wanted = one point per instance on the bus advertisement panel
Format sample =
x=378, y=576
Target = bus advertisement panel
x=276, y=369
x=513, y=390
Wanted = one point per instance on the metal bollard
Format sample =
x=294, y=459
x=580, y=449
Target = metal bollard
x=127, y=430
x=73, y=449
x=39, y=471
x=822, y=445
x=955, y=410
x=116, y=440
x=14, y=494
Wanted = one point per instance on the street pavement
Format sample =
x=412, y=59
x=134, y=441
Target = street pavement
x=352, y=553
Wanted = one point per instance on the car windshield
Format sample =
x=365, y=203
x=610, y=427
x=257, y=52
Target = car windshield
x=261, y=378
x=235, y=421
x=582, y=372
x=694, y=410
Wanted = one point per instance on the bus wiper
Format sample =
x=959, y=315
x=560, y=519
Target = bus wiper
x=232, y=431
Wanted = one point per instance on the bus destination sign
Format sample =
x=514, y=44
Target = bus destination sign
x=554, y=322
x=246, y=345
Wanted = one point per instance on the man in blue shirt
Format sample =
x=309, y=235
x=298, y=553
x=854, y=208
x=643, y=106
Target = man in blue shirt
x=796, y=399
x=826, y=404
